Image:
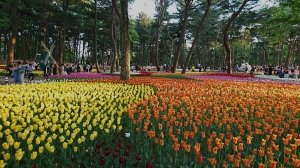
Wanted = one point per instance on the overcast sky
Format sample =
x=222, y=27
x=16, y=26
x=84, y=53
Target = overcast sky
x=148, y=7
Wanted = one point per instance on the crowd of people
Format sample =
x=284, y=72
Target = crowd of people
x=18, y=71
x=63, y=69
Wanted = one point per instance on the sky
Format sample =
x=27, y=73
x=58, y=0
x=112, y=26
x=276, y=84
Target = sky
x=148, y=7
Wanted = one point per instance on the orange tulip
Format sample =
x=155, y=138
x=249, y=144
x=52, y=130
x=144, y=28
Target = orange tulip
x=294, y=147
x=200, y=159
x=286, y=160
x=215, y=150
x=274, y=136
x=273, y=164
x=197, y=148
x=270, y=154
x=187, y=148
x=289, y=136
x=221, y=135
x=161, y=142
x=246, y=162
x=234, y=140
x=261, y=152
x=208, y=142
x=212, y=161
x=276, y=148
x=254, y=151
x=287, y=151
x=176, y=146
x=285, y=141
x=209, y=148
x=249, y=139
x=230, y=158
x=296, y=162
x=261, y=165
x=203, y=134
x=263, y=142
x=192, y=135
x=235, y=148
x=137, y=130
x=236, y=162
x=241, y=146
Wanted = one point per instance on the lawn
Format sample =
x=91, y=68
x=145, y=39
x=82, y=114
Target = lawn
x=210, y=120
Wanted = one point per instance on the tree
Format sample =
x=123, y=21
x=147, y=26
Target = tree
x=187, y=7
x=196, y=36
x=225, y=35
x=125, y=63
x=14, y=27
x=161, y=7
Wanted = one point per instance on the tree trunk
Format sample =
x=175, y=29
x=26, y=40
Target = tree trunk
x=112, y=37
x=195, y=41
x=171, y=43
x=188, y=4
x=95, y=39
x=225, y=33
x=291, y=47
x=14, y=27
x=125, y=67
x=62, y=33
x=281, y=53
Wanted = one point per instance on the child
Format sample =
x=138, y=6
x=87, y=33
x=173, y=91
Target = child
x=30, y=72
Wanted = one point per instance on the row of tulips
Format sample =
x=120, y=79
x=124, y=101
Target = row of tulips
x=55, y=124
x=188, y=123
x=217, y=123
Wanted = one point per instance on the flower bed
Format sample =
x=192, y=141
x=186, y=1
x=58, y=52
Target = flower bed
x=173, y=123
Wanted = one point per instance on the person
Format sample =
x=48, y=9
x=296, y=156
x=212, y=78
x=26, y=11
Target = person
x=78, y=68
x=9, y=69
x=15, y=73
x=87, y=67
x=294, y=72
x=286, y=74
x=30, y=72
x=20, y=71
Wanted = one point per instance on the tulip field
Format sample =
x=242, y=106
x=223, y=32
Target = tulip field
x=151, y=121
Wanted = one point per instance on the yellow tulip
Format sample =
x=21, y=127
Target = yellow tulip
x=37, y=140
x=75, y=148
x=10, y=140
x=19, y=154
x=33, y=155
x=6, y=156
x=84, y=132
x=2, y=164
x=92, y=137
x=29, y=141
x=54, y=136
x=17, y=145
x=49, y=139
x=6, y=123
x=1, y=134
x=120, y=127
x=30, y=147
x=7, y=131
x=62, y=138
x=41, y=149
x=70, y=141
x=106, y=130
x=79, y=141
x=5, y=146
x=65, y=145
x=68, y=132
